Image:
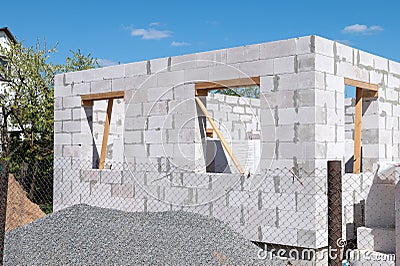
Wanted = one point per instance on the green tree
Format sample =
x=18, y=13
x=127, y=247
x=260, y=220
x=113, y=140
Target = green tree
x=27, y=113
x=248, y=92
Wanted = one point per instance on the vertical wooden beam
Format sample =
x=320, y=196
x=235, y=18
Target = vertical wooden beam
x=219, y=134
x=105, y=134
x=357, y=131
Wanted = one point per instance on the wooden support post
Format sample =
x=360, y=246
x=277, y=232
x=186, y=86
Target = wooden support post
x=219, y=134
x=105, y=134
x=335, y=241
x=357, y=131
x=3, y=204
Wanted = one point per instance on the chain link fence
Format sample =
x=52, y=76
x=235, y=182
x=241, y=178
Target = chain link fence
x=294, y=216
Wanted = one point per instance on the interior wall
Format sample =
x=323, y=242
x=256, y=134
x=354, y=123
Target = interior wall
x=238, y=120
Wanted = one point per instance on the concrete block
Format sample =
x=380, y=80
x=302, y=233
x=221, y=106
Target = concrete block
x=79, y=115
x=170, y=78
x=304, y=45
x=197, y=74
x=379, y=206
x=348, y=70
x=71, y=126
x=160, y=122
x=153, y=136
x=324, y=46
x=158, y=65
x=133, y=137
x=211, y=58
x=90, y=175
x=324, y=64
x=278, y=49
x=185, y=91
x=267, y=84
x=281, y=201
x=381, y=63
x=113, y=72
x=305, y=62
x=183, y=62
x=73, y=77
x=58, y=127
x=258, y=68
x=394, y=67
x=284, y=65
x=62, y=91
x=136, y=69
x=159, y=94
x=306, y=238
x=243, y=54
x=376, y=239
x=100, y=86
x=155, y=108
x=344, y=53
x=293, y=81
x=62, y=138
x=135, y=151
x=224, y=72
x=365, y=59
x=111, y=176
x=58, y=103
x=122, y=190
x=280, y=236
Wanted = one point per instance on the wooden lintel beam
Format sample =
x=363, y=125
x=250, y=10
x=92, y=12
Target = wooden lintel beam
x=360, y=84
x=105, y=134
x=368, y=94
x=219, y=134
x=230, y=83
x=87, y=99
x=357, y=131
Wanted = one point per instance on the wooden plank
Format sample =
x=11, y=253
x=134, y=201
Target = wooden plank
x=105, y=134
x=209, y=132
x=219, y=134
x=357, y=131
x=368, y=94
x=360, y=84
x=88, y=99
x=230, y=83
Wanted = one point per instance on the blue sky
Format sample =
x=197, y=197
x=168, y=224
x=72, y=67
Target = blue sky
x=128, y=31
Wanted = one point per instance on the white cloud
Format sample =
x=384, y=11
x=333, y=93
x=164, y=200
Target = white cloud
x=106, y=62
x=362, y=29
x=154, y=24
x=177, y=44
x=151, y=34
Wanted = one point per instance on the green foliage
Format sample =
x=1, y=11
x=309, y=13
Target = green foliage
x=247, y=92
x=27, y=114
x=78, y=62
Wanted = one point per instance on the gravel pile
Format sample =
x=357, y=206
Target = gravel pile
x=85, y=235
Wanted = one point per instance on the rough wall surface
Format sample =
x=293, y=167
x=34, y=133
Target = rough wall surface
x=302, y=124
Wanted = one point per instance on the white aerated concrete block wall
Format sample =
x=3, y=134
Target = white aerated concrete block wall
x=303, y=123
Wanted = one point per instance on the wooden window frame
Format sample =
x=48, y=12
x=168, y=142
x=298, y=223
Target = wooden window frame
x=87, y=100
x=364, y=90
x=202, y=88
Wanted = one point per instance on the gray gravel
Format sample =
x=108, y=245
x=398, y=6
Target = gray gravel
x=85, y=235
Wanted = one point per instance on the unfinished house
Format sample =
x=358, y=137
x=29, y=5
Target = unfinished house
x=159, y=135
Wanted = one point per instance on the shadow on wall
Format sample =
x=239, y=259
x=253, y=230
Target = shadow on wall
x=216, y=160
x=95, y=152
x=349, y=166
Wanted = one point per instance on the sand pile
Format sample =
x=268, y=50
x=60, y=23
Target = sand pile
x=20, y=210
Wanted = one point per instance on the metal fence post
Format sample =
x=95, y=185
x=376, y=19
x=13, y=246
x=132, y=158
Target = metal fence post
x=3, y=204
x=335, y=242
